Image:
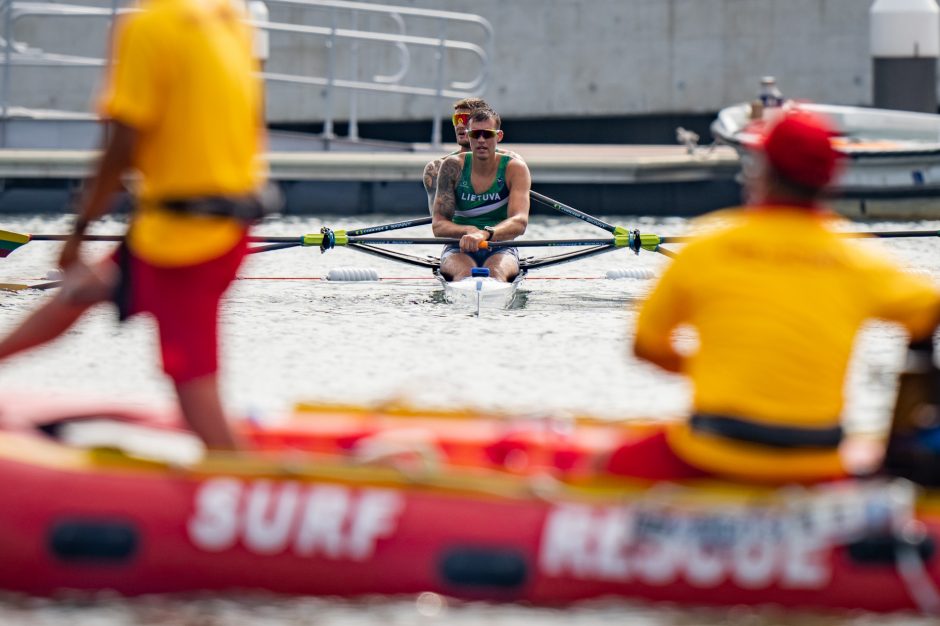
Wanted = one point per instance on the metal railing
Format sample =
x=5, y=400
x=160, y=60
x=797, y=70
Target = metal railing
x=404, y=49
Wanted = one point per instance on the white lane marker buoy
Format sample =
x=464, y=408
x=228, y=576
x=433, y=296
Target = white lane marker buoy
x=349, y=274
x=639, y=273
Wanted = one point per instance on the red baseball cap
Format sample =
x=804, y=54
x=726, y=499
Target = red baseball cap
x=798, y=147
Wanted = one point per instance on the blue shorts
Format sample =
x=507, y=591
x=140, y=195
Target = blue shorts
x=480, y=256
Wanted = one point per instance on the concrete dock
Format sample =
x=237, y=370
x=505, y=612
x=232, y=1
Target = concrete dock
x=656, y=180
x=607, y=179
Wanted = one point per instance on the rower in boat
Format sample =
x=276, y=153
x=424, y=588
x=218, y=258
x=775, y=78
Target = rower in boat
x=481, y=197
x=776, y=297
x=463, y=109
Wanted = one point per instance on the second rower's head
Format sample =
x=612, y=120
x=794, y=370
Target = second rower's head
x=484, y=133
x=463, y=110
x=797, y=161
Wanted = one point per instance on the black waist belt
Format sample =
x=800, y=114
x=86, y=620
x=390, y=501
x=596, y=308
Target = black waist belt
x=248, y=208
x=766, y=435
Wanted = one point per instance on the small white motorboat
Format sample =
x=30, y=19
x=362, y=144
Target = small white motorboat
x=892, y=158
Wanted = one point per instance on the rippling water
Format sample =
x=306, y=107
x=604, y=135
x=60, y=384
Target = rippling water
x=289, y=336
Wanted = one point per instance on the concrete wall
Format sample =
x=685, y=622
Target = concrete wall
x=554, y=58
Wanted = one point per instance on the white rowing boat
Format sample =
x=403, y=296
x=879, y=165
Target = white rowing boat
x=481, y=291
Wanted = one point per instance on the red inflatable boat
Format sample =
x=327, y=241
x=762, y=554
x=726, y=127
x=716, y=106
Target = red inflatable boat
x=342, y=501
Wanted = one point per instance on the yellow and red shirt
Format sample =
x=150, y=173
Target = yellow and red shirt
x=184, y=77
x=776, y=298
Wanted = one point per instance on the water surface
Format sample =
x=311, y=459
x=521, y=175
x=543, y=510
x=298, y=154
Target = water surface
x=290, y=336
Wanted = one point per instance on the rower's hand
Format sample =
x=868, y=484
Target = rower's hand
x=471, y=241
x=70, y=251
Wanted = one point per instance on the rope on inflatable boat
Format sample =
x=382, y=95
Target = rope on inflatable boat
x=912, y=571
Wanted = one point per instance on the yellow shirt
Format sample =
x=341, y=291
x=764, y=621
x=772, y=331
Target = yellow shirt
x=184, y=77
x=776, y=298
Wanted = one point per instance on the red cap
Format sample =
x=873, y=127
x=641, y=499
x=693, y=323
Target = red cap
x=798, y=147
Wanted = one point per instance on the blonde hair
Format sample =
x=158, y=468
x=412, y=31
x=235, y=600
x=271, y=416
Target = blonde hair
x=471, y=103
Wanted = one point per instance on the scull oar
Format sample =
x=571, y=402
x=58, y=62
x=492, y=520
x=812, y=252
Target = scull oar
x=573, y=212
x=10, y=241
x=327, y=238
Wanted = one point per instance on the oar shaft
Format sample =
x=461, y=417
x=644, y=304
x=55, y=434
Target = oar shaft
x=369, y=230
x=84, y=237
x=573, y=212
x=675, y=239
x=890, y=234
x=273, y=246
x=550, y=243
x=533, y=243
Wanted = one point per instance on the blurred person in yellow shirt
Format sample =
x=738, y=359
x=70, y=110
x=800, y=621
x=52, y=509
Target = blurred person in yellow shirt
x=775, y=297
x=183, y=105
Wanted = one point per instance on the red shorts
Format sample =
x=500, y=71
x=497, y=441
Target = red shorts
x=651, y=458
x=185, y=303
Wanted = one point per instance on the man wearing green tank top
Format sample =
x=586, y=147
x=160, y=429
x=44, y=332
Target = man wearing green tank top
x=463, y=109
x=481, y=196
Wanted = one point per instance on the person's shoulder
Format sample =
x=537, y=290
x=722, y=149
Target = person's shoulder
x=710, y=232
x=453, y=159
x=153, y=18
x=512, y=155
x=452, y=165
x=133, y=19
x=437, y=161
x=718, y=222
x=433, y=165
x=515, y=165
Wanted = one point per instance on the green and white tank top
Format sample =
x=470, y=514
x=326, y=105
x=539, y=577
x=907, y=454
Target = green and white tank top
x=482, y=209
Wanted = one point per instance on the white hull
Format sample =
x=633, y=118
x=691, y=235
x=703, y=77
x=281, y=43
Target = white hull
x=896, y=152
x=486, y=292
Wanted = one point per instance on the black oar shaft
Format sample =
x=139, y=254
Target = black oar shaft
x=665, y=252
x=551, y=243
x=84, y=237
x=675, y=239
x=890, y=234
x=571, y=211
x=369, y=230
x=534, y=243
x=273, y=246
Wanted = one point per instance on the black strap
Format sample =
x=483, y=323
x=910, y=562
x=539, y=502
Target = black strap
x=122, y=290
x=248, y=208
x=244, y=208
x=766, y=435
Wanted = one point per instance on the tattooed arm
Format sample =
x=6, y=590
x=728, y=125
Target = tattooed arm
x=445, y=203
x=430, y=181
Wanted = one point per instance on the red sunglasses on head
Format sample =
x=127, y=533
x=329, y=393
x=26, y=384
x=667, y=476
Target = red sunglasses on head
x=461, y=118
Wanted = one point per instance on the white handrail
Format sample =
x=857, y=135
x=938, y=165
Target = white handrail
x=439, y=85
